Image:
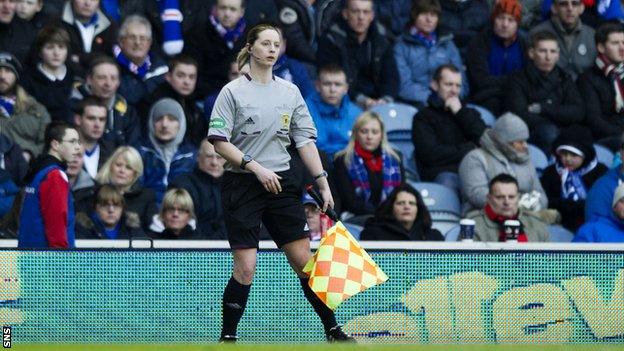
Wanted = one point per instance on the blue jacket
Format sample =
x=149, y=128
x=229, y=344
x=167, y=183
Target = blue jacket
x=332, y=124
x=134, y=89
x=295, y=72
x=416, y=64
x=600, y=196
x=8, y=191
x=155, y=174
x=602, y=230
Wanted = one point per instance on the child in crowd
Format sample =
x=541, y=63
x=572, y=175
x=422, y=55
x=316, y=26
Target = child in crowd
x=318, y=222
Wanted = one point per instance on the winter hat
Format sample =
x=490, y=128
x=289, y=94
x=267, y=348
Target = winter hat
x=167, y=106
x=510, y=7
x=577, y=140
x=510, y=127
x=618, y=195
x=11, y=62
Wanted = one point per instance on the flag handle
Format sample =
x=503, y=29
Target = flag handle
x=317, y=197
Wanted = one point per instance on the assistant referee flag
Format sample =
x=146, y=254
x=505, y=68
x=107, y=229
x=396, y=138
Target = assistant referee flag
x=341, y=268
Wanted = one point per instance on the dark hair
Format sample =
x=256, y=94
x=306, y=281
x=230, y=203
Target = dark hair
x=242, y=3
x=437, y=75
x=385, y=209
x=52, y=33
x=424, y=6
x=55, y=131
x=331, y=68
x=252, y=36
x=542, y=35
x=181, y=59
x=602, y=33
x=100, y=60
x=109, y=193
x=90, y=101
x=502, y=178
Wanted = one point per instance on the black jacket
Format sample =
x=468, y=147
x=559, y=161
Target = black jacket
x=561, y=102
x=14, y=162
x=599, y=96
x=391, y=230
x=464, y=19
x=187, y=233
x=141, y=201
x=441, y=139
x=54, y=95
x=17, y=37
x=87, y=228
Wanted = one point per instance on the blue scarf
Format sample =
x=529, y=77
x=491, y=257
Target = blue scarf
x=359, y=177
x=504, y=60
x=171, y=17
x=429, y=40
x=109, y=233
x=230, y=36
x=7, y=106
x=572, y=186
x=123, y=61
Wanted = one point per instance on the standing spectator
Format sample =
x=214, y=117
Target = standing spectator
x=602, y=87
x=122, y=124
x=81, y=183
x=142, y=70
x=13, y=168
x=464, y=19
x=403, y=216
x=91, y=122
x=606, y=229
x=47, y=213
x=30, y=11
x=204, y=186
x=16, y=34
x=363, y=48
x=332, y=110
x=446, y=130
x=177, y=217
x=420, y=50
x=367, y=170
x=543, y=94
x=494, y=55
x=50, y=81
x=576, y=40
x=22, y=118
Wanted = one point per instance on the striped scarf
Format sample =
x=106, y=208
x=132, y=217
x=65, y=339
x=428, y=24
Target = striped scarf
x=391, y=171
x=7, y=106
x=123, y=61
x=615, y=73
x=230, y=36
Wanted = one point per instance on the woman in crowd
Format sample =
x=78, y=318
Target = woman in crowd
x=177, y=217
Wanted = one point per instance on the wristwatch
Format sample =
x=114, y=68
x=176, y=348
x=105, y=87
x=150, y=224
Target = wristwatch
x=321, y=175
x=245, y=161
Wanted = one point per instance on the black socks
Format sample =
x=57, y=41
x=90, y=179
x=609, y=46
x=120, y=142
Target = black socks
x=234, y=302
x=325, y=313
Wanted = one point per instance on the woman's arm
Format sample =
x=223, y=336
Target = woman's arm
x=311, y=159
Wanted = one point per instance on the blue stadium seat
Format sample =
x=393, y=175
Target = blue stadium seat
x=442, y=202
x=538, y=159
x=452, y=234
x=396, y=116
x=604, y=155
x=354, y=229
x=559, y=234
x=406, y=148
x=487, y=116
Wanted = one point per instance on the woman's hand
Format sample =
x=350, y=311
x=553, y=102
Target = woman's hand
x=328, y=200
x=269, y=180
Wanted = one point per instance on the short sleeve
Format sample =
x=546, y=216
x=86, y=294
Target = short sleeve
x=302, y=129
x=222, y=117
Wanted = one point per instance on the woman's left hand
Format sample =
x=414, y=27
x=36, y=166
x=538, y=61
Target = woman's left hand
x=328, y=200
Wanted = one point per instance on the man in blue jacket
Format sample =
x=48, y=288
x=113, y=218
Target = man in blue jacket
x=608, y=229
x=598, y=202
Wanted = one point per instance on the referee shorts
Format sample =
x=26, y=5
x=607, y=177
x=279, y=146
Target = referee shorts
x=247, y=205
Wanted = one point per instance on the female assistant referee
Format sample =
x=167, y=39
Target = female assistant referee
x=253, y=120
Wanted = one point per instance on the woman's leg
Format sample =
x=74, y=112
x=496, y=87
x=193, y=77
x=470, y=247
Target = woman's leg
x=237, y=291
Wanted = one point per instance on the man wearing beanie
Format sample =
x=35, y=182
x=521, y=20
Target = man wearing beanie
x=164, y=154
x=503, y=150
x=576, y=40
x=607, y=229
x=544, y=95
x=495, y=54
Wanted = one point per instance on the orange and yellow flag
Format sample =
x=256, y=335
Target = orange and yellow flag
x=341, y=268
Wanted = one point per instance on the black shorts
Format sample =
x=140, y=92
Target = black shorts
x=247, y=205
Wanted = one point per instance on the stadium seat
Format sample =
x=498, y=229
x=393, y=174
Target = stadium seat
x=604, y=155
x=354, y=229
x=396, y=116
x=538, y=158
x=357, y=220
x=487, y=116
x=442, y=202
x=452, y=234
x=559, y=234
x=406, y=148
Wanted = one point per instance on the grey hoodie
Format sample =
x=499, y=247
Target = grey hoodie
x=166, y=106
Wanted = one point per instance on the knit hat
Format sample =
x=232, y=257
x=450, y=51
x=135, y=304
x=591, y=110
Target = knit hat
x=510, y=7
x=618, y=195
x=167, y=106
x=577, y=140
x=9, y=61
x=510, y=127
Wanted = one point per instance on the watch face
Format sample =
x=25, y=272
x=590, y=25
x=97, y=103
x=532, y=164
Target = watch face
x=247, y=158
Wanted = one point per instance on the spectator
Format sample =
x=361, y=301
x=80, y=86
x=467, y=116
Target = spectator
x=107, y=219
x=142, y=70
x=606, y=229
x=576, y=40
x=531, y=13
x=446, y=130
x=91, y=32
x=30, y=11
x=503, y=150
x=204, y=186
x=50, y=81
x=177, y=217
x=179, y=85
x=47, y=213
x=420, y=50
x=81, y=184
x=367, y=170
x=464, y=19
x=22, y=118
x=13, y=168
x=16, y=34
x=567, y=182
x=602, y=87
x=122, y=124
x=495, y=54
x=332, y=110
x=293, y=71
x=402, y=216
x=164, y=154
x=233, y=73
x=363, y=48
x=502, y=205
x=90, y=123
x=543, y=95
x=220, y=38
x=595, y=14
x=393, y=15
x=318, y=222
x=123, y=170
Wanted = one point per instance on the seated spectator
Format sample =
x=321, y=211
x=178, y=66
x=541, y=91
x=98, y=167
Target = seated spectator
x=595, y=13
x=576, y=39
x=503, y=150
x=502, y=205
x=464, y=19
x=367, y=170
x=363, y=48
x=332, y=110
x=122, y=124
x=164, y=154
x=567, y=182
x=318, y=222
x=82, y=185
x=30, y=11
x=292, y=70
x=606, y=229
x=204, y=186
x=531, y=13
x=13, y=168
x=142, y=69
x=598, y=202
x=494, y=55
x=16, y=34
x=402, y=216
x=90, y=124
x=393, y=14
x=108, y=219
x=49, y=80
x=22, y=118
x=544, y=95
x=221, y=37
x=446, y=130
x=179, y=85
x=123, y=170
x=420, y=50
x=176, y=219
x=233, y=73
x=602, y=87
x=91, y=32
